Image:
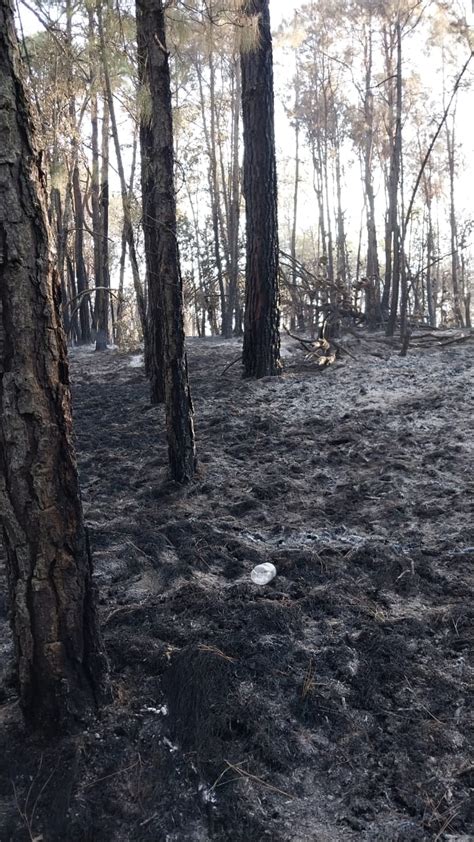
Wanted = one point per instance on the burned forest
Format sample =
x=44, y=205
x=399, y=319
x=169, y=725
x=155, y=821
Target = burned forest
x=236, y=420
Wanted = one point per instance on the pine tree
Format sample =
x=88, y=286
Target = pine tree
x=60, y=658
x=166, y=291
x=261, y=351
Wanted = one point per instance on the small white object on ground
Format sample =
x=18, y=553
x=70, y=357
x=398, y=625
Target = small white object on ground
x=262, y=574
x=136, y=361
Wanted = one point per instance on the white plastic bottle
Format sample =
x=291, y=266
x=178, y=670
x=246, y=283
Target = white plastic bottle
x=262, y=574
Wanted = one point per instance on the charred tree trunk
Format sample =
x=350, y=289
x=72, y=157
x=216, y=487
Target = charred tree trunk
x=234, y=201
x=61, y=663
x=429, y=274
x=430, y=246
x=65, y=260
x=61, y=242
x=397, y=241
x=453, y=229
x=318, y=189
x=79, y=262
x=297, y=309
x=389, y=48
x=105, y=300
x=467, y=294
x=74, y=323
x=324, y=162
x=372, y=304
x=101, y=340
x=154, y=363
x=80, y=265
x=168, y=299
x=341, y=250
x=118, y=334
x=261, y=349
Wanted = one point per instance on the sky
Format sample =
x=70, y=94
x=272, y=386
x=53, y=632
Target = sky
x=280, y=9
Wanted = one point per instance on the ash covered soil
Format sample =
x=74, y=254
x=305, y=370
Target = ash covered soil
x=331, y=704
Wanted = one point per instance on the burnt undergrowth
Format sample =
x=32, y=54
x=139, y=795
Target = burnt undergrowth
x=331, y=704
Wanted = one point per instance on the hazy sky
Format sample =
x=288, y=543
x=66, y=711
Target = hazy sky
x=280, y=9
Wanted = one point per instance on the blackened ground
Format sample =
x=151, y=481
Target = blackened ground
x=329, y=705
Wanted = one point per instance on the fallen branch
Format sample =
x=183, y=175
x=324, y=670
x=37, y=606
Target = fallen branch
x=430, y=338
x=342, y=348
x=464, y=338
x=307, y=344
x=231, y=364
x=317, y=344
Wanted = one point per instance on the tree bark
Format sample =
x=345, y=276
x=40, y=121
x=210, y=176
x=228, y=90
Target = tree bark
x=297, y=310
x=389, y=48
x=79, y=262
x=261, y=349
x=166, y=305
x=234, y=202
x=61, y=242
x=341, y=251
x=453, y=229
x=60, y=657
x=372, y=304
x=154, y=363
x=397, y=241
x=100, y=295
x=105, y=300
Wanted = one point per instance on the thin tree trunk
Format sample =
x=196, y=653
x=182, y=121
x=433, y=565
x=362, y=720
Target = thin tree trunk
x=429, y=281
x=234, y=204
x=388, y=43
x=123, y=249
x=430, y=304
x=106, y=299
x=61, y=238
x=342, y=269
x=170, y=316
x=451, y=150
x=127, y=217
x=294, y=274
x=154, y=362
x=396, y=239
x=327, y=210
x=373, y=307
x=210, y=138
x=80, y=266
x=318, y=189
x=467, y=294
x=100, y=295
x=79, y=263
x=74, y=331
